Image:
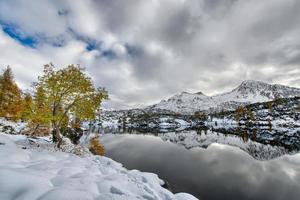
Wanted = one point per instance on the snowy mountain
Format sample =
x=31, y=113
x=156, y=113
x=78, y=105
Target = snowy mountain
x=246, y=93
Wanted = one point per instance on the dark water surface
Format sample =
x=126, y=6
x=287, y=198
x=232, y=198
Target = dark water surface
x=217, y=172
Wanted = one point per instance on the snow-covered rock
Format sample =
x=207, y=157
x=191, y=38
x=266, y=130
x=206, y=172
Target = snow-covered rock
x=11, y=127
x=31, y=173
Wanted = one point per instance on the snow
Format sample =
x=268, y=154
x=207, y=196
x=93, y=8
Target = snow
x=182, y=122
x=112, y=123
x=37, y=173
x=166, y=124
x=225, y=122
x=17, y=126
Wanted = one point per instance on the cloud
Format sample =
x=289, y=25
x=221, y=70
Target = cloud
x=143, y=51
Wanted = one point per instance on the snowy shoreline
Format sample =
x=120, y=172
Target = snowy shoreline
x=43, y=173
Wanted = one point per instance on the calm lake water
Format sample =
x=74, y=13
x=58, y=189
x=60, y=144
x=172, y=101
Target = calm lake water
x=217, y=172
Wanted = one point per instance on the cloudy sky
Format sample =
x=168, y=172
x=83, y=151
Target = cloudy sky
x=142, y=51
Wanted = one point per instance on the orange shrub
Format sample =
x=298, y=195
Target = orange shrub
x=96, y=147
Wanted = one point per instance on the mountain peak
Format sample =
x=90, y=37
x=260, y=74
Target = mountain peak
x=189, y=93
x=200, y=93
x=253, y=82
x=184, y=92
x=249, y=91
x=251, y=85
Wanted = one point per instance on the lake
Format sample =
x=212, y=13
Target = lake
x=209, y=168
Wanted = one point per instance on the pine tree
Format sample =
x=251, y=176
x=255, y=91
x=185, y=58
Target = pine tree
x=10, y=96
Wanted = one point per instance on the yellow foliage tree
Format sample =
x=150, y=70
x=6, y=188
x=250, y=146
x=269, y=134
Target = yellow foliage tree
x=10, y=96
x=69, y=91
x=27, y=109
x=41, y=111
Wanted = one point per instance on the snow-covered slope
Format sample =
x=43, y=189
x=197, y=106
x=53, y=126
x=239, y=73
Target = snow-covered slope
x=247, y=92
x=29, y=174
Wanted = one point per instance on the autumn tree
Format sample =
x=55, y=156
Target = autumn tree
x=269, y=105
x=239, y=113
x=250, y=115
x=200, y=116
x=41, y=111
x=10, y=96
x=69, y=92
x=244, y=113
x=27, y=108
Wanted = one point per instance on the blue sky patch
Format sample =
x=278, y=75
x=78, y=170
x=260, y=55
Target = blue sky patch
x=91, y=46
x=15, y=33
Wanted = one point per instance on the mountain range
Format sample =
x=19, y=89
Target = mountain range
x=247, y=92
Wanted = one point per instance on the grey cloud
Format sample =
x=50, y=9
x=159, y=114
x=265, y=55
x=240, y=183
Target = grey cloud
x=168, y=46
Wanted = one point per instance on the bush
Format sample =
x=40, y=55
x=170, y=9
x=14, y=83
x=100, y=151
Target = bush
x=96, y=147
x=200, y=116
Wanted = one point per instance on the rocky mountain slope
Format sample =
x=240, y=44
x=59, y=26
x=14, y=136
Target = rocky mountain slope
x=246, y=93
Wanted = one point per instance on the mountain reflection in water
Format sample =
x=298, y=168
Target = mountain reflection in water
x=262, y=144
x=216, y=172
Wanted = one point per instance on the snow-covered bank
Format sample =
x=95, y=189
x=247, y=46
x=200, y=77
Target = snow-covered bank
x=37, y=173
x=11, y=127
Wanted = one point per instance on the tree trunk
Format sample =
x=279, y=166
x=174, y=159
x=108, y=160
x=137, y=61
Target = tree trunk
x=57, y=135
x=34, y=131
